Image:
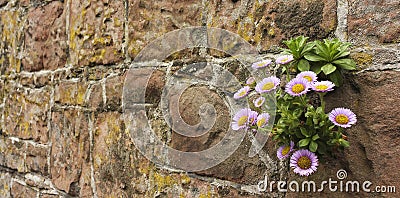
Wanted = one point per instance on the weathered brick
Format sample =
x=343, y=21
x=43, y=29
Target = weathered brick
x=96, y=32
x=114, y=156
x=3, y=2
x=19, y=190
x=70, y=92
x=11, y=39
x=70, y=149
x=95, y=101
x=42, y=195
x=2, y=89
x=149, y=20
x=266, y=24
x=12, y=154
x=374, y=21
x=45, y=37
x=36, y=158
x=371, y=96
x=26, y=113
x=5, y=184
x=114, y=87
x=154, y=87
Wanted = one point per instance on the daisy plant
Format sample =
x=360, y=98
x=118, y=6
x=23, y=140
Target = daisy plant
x=302, y=128
x=327, y=58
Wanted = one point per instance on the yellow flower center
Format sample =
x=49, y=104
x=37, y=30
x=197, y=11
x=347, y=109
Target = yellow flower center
x=285, y=150
x=321, y=87
x=242, y=120
x=284, y=59
x=308, y=78
x=268, y=86
x=259, y=102
x=242, y=93
x=298, y=88
x=260, y=64
x=261, y=122
x=304, y=162
x=342, y=119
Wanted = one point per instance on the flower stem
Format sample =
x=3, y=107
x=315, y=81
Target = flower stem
x=287, y=73
x=321, y=97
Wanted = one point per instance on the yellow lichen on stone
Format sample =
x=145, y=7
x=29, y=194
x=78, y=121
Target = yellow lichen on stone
x=163, y=181
x=81, y=92
x=114, y=131
x=11, y=37
x=362, y=58
x=185, y=179
x=246, y=28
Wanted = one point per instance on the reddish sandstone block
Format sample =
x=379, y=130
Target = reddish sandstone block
x=19, y=190
x=11, y=40
x=12, y=154
x=70, y=92
x=149, y=20
x=70, y=150
x=26, y=113
x=5, y=184
x=36, y=158
x=45, y=38
x=96, y=29
x=114, y=87
x=374, y=19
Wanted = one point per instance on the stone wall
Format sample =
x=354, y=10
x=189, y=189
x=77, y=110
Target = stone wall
x=63, y=65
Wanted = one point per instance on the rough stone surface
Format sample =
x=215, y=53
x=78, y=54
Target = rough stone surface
x=36, y=159
x=113, y=90
x=11, y=38
x=378, y=20
x=189, y=107
x=63, y=65
x=96, y=30
x=5, y=181
x=266, y=23
x=45, y=38
x=70, y=92
x=112, y=159
x=375, y=136
x=148, y=20
x=26, y=113
x=12, y=154
x=70, y=150
x=19, y=190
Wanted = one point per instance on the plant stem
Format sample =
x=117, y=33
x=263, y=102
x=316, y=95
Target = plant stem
x=321, y=97
x=287, y=73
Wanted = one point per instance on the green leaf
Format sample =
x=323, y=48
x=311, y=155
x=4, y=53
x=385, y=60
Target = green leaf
x=328, y=68
x=304, y=132
x=336, y=77
x=314, y=57
x=323, y=50
x=313, y=146
x=304, y=142
x=315, y=137
x=303, y=65
x=316, y=68
x=315, y=120
x=346, y=63
x=308, y=47
x=320, y=110
x=344, y=143
x=341, y=54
